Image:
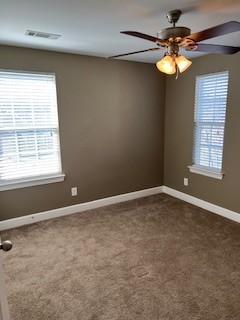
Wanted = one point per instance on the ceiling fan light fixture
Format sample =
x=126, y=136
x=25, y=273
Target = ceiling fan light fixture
x=167, y=65
x=182, y=63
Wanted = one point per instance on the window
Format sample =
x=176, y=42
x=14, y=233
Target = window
x=209, y=122
x=29, y=135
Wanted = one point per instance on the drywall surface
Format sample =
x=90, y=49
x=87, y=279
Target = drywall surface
x=179, y=116
x=111, y=128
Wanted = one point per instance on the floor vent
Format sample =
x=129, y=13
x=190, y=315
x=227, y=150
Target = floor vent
x=43, y=35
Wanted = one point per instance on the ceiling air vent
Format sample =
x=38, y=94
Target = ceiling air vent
x=43, y=35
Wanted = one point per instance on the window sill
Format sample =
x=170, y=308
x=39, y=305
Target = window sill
x=33, y=181
x=205, y=172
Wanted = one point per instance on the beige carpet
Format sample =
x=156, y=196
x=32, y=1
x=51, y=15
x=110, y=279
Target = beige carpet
x=151, y=259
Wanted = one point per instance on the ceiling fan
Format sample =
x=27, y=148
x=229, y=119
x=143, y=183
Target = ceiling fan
x=174, y=38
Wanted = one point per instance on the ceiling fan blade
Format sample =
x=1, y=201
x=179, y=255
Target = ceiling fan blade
x=220, y=30
x=144, y=36
x=212, y=48
x=223, y=6
x=216, y=6
x=130, y=53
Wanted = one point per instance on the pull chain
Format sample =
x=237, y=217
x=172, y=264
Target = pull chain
x=177, y=73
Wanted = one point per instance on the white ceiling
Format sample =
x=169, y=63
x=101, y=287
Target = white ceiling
x=92, y=26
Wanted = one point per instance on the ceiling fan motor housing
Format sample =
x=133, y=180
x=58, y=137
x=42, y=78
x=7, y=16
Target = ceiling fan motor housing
x=174, y=32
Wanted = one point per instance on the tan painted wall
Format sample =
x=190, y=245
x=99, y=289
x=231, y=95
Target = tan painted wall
x=111, y=128
x=179, y=113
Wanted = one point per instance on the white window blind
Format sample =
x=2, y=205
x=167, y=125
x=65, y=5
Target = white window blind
x=209, y=120
x=29, y=135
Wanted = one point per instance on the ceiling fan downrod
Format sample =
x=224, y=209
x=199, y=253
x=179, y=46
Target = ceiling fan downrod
x=174, y=32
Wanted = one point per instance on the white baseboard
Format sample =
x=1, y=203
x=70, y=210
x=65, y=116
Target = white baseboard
x=55, y=213
x=203, y=204
x=60, y=212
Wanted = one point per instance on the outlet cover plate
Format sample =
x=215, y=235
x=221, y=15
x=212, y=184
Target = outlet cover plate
x=74, y=191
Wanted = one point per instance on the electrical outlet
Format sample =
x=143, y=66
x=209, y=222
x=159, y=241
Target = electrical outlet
x=185, y=181
x=74, y=191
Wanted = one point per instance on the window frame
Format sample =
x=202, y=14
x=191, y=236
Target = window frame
x=197, y=168
x=36, y=180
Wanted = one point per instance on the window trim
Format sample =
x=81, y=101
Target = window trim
x=39, y=179
x=205, y=171
x=202, y=170
x=32, y=181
